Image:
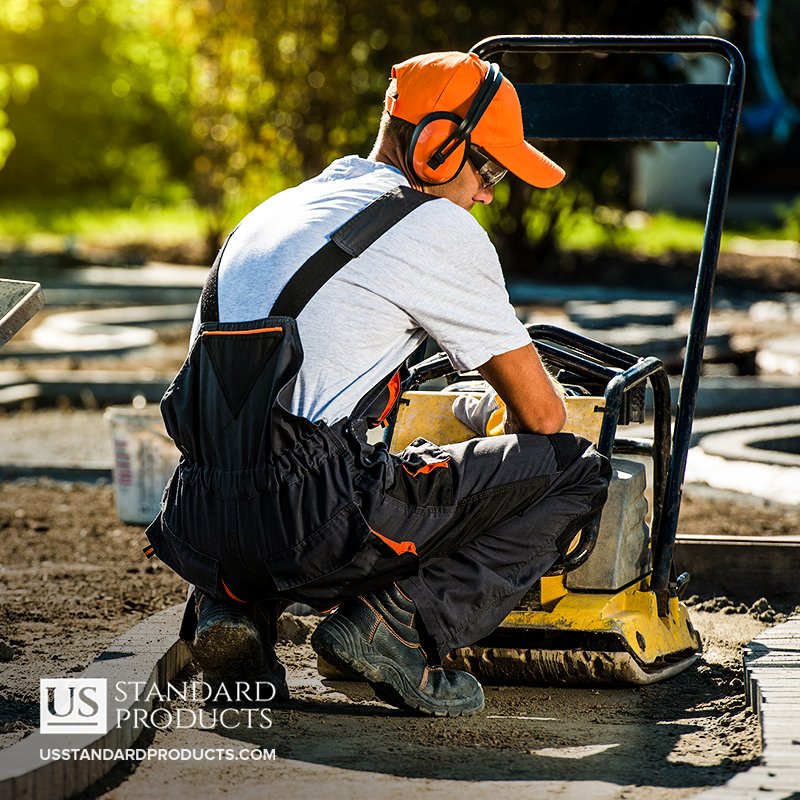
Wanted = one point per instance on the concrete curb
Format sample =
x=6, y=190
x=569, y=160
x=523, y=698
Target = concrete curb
x=96, y=387
x=102, y=331
x=149, y=653
x=79, y=473
x=772, y=687
x=772, y=671
x=741, y=567
x=92, y=284
x=748, y=420
x=19, y=303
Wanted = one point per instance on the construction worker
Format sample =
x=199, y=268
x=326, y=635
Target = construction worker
x=316, y=300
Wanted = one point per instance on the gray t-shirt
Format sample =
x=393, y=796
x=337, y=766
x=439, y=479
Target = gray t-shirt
x=434, y=272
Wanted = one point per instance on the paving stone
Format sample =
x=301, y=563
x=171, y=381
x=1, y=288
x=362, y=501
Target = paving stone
x=780, y=728
x=772, y=687
x=786, y=658
x=24, y=787
x=778, y=676
x=783, y=762
x=51, y=780
x=605, y=316
x=786, y=718
x=766, y=778
x=778, y=758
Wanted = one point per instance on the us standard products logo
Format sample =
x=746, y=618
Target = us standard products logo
x=73, y=705
x=81, y=705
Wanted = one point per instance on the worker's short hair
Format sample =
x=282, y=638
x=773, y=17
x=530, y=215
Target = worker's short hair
x=399, y=130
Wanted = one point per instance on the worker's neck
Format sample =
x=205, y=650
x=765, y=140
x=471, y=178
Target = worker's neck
x=387, y=151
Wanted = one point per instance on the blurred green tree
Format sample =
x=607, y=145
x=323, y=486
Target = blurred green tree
x=240, y=98
x=315, y=75
x=768, y=150
x=17, y=78
x=109, y=113
x=16, y=82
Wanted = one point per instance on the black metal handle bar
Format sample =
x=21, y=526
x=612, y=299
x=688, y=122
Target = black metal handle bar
x=438, y=365
x=611, y=356
x=614, y=44
x=579, y=363
x=725, y=136
x=435, y=366
x=579, y=354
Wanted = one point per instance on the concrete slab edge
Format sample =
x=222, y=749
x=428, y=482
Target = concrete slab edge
x=81, y=390
x=754, y=444
x=772, y=688
x=740, y=567
x=19, y=303
x=149, y=653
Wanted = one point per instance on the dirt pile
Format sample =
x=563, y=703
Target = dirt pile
x=72, y=578
x=760, y=610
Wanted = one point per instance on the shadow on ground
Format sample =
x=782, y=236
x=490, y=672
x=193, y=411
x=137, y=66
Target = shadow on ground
x=665, y=735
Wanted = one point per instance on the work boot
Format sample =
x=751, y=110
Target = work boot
x=228, y=647
x=375, y=636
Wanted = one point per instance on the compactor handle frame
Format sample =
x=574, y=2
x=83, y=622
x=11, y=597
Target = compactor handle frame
x=621, y=373
x=648, y=112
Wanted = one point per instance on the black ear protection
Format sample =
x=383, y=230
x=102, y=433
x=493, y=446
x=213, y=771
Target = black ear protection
x=439, y=145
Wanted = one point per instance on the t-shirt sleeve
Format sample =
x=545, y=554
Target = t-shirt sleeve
x=462, y=300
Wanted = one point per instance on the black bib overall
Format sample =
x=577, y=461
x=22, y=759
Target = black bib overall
x=265, y=504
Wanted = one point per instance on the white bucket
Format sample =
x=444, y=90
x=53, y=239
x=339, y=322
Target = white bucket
x=144, y=459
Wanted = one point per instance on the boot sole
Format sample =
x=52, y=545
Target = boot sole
x=340, y=642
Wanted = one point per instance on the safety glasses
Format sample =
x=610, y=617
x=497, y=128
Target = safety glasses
x=490, y=171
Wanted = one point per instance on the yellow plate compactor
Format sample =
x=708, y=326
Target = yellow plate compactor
x=611, y=612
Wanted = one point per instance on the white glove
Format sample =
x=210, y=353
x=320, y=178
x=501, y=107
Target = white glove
x=479, y=413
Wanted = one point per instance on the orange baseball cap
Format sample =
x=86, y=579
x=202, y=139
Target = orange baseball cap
x=449, y=82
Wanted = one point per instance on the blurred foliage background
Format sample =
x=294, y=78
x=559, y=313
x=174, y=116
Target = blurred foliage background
x=212, y=105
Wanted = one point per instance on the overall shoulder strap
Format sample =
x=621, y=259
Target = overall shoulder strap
x=346, y=243
x=209, y=301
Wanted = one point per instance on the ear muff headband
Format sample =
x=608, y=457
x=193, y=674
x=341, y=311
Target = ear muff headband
x=486, y=92
x=429, y=150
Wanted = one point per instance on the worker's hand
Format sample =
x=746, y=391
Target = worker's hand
x=535, y=401
x=485, y=415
